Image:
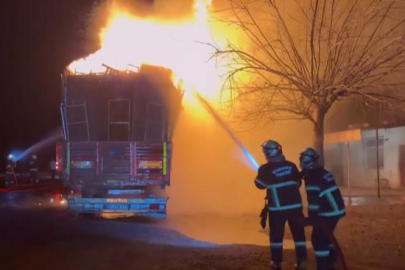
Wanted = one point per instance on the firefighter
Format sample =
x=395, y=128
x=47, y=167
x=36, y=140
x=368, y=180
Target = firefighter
x=282, y=180
x=33, y=168
x=9, y=176
x=52, y=169
x=10, y=173
x=325, y=207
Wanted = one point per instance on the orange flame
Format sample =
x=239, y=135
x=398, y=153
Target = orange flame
x=181, y=46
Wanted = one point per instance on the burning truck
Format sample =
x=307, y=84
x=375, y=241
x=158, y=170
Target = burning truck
x=116, y=150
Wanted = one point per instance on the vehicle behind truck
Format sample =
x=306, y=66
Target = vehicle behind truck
x=117, y=149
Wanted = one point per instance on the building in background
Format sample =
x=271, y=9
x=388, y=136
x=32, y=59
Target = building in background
x=356, y=151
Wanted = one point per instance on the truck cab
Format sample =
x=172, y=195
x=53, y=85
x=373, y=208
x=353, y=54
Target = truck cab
x=117, y=129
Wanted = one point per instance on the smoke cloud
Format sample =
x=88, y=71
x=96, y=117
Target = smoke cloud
x=211, y=175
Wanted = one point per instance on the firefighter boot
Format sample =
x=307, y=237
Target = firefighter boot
x=275, y=266
x=301, y=266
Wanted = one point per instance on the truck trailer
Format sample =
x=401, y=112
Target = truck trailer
x=116, y=152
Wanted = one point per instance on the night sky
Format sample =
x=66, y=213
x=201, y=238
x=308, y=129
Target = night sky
x=38, y=39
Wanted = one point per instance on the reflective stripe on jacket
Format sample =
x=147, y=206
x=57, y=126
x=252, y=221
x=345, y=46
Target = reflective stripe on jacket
x=324, y=197
x=282, y=181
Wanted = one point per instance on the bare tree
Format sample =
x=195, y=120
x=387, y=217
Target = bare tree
x=300, y=57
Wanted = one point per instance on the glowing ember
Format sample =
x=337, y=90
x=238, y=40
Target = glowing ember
x=128, y=41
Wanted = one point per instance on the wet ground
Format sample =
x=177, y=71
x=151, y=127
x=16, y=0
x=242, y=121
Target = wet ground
x=51, y=239
x=47, y=236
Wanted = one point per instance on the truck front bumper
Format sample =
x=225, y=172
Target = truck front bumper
x=150, y=207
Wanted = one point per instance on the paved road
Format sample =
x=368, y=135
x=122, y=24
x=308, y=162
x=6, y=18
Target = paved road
x=39, y=209
x=47, y=236
x=23, y=222
x=39, y=206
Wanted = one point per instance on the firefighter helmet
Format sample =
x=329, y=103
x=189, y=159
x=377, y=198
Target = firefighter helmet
x=308, y=157
x=272, y=149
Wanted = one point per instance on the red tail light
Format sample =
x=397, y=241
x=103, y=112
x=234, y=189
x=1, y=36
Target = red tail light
x=57, y=167
x=58, y=157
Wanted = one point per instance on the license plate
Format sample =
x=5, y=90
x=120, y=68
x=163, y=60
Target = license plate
x=116, y=200
x=116, y=206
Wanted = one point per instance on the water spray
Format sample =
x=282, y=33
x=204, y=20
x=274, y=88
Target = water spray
x=222, y=123
x=52, y=138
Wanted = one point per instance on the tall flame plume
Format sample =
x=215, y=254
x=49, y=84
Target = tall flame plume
x=180, y=45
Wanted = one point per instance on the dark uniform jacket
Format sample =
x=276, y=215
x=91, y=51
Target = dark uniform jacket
x=282, y=181
x=324, y=197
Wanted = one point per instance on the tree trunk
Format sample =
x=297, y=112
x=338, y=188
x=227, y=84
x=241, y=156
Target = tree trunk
x=319, y=117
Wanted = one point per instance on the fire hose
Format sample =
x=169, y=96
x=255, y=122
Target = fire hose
x=336, y=246
x=329, y=233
